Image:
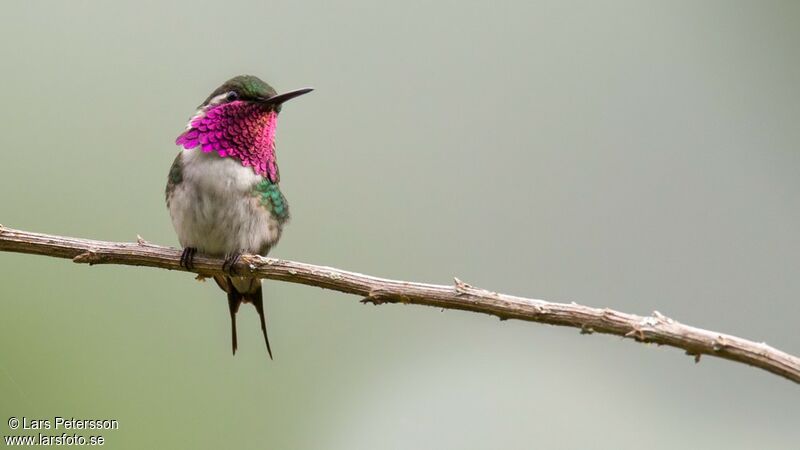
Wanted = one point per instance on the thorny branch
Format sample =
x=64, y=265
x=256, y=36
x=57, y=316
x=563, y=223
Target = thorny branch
x=656, y=328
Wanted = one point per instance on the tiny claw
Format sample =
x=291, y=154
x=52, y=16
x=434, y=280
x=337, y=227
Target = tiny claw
x=187, y=257
x=229, y=265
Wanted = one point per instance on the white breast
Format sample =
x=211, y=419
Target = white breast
x=214, y=209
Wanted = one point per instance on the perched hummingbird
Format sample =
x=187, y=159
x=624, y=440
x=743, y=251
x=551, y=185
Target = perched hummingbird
x=222, y=189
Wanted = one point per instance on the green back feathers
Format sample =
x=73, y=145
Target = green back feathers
x=271, y=198
x=175, y=176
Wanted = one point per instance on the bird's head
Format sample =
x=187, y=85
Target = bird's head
x=250, y=89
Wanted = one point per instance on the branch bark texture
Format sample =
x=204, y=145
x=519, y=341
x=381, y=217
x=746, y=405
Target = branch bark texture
x=656, y=328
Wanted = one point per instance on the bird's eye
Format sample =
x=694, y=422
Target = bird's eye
x=232, y=96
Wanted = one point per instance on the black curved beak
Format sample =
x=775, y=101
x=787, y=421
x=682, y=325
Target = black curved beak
x=280, y=98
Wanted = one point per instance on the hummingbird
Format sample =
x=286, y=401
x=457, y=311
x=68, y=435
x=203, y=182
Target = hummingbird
x=222, y=189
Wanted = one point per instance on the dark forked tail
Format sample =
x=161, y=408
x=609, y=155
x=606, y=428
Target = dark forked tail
x=243, y=290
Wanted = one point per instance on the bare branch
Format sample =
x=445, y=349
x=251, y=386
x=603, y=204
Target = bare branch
x=655, y=328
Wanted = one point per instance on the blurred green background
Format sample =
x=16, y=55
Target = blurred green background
x=632, y=154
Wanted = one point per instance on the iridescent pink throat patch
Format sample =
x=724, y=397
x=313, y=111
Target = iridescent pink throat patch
x=242, y=130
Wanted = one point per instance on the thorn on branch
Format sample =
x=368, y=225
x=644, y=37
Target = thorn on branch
x=200, y=278
x=695, y=355
x=461, y=287
x=662, y=318
x=140, y=240
x=90, y=257
x=637, y=334
x=374, y=297
x=719, y=343
x=586, y=330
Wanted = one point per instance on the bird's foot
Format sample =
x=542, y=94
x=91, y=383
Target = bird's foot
x=187, y=257
x=229, y=265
